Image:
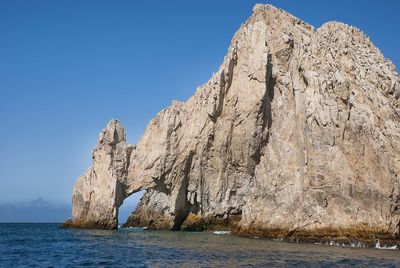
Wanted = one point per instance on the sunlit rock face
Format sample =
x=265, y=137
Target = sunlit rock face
x=299, y=130
x=98, y=194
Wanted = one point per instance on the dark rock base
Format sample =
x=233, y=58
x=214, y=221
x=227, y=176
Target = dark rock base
x=355, y=236
x=89, y=225
x=352, y=236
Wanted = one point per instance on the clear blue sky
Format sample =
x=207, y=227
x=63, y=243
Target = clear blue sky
x=67, y=67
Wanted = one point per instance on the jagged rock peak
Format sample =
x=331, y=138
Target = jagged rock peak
x=113, y=133
x=296, y=135
x=98, y=194
x=272, y=15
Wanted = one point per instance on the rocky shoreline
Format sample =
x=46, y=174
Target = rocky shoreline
x=346, y=237
x=355, y=236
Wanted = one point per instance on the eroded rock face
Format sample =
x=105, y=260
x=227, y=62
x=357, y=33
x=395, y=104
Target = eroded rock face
x=98, y=194
x=299, y=130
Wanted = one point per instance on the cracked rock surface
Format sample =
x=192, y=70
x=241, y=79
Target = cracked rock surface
x=299, y=130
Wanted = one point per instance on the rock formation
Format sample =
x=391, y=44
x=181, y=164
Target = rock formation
x=298, y=132
x=99, y=193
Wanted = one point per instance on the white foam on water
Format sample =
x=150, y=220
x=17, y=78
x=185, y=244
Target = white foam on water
x=343, y=245
x=222, y=232
x=378, y=246
x=359, y=245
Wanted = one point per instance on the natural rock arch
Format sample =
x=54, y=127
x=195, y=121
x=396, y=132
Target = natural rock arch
x=114, y=176
x=298, y=130
x=98, y=194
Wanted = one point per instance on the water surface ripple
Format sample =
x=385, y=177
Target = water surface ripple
x=46, y=245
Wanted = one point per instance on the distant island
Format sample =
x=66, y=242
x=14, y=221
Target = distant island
x=296, y=137
x=35, y=211
x=43, y=211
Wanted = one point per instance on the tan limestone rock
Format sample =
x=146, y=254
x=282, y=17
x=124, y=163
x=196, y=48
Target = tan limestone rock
x=299, y=130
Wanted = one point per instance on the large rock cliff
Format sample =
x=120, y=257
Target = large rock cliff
x=298, y=131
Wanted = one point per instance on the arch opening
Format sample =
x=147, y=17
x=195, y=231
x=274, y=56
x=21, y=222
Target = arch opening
x=128, y=206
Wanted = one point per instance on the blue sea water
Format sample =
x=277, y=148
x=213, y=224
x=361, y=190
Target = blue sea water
x=47, y=245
